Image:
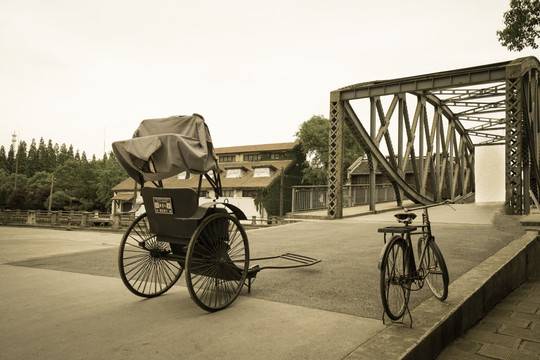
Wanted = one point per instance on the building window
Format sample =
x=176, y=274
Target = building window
x=250, y=193
x=204, y=194
x=262, y=172
x=278, y=156
x=228, y=193
x=234, y=173
x=227, y=158
x=252, y=157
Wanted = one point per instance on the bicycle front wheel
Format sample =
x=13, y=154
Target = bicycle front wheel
x=395, y=289
x=436, y=273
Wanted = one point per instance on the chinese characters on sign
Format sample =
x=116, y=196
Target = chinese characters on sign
x=163, y=205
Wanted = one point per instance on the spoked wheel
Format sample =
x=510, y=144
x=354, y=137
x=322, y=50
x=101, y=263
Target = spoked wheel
x=395, y=289
x=217, y=262
x=435, y=270
x=141, y=262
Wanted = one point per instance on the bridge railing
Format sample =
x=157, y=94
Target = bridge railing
x=307, y=198
x=66, y=219
x=84, y=219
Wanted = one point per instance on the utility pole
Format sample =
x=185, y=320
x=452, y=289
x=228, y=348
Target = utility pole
x=15, y=151
x=50, y=196
x=282, y=181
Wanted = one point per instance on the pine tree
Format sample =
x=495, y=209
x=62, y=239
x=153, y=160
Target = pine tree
x=33, y=158
x=51, y=157
x=21, y=159
x=63, y=155
x=70, y=152
x=11, y=160
x=3, y=159
x=42, y=155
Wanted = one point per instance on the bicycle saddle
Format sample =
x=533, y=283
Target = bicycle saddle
x=406, y=218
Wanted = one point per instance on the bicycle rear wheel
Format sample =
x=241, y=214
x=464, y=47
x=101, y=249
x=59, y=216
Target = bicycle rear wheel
x=395, y=289
x=436, y=273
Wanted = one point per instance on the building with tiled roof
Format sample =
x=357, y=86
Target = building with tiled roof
x=358, y=174
x=247, y=172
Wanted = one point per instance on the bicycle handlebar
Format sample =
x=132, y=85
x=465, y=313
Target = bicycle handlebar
x=445, y=202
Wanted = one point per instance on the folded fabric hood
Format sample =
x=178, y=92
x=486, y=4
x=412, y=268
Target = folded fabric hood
x=161, y=148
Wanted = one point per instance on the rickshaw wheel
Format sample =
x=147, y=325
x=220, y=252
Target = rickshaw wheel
x=141, y=260
x=217, y=262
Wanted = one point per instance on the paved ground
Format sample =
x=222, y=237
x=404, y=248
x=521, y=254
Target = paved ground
x=510, y=331
x=61, y=297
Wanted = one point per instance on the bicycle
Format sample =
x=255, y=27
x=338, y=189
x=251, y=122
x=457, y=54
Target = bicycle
x=399, y=271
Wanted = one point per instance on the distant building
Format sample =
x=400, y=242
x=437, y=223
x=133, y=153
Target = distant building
x=247, y=170
x=358, y=174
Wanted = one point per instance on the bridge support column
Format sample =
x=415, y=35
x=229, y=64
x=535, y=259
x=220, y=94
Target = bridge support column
x=335, y=164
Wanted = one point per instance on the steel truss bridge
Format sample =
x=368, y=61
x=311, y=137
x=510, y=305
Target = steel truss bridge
x=421, y=132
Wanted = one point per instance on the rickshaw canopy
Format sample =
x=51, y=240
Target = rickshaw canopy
x=161, y=148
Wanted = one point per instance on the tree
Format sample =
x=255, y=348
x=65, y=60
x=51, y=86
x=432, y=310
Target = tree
x=313, y=138
x=5, y=189
x=87, y=183
x=11, y=159
x=3, y=159
x=108, y=173
x=38, y=189
x=522, y=25
x=67, y=176
x=33, y=159
x=17, y=196
x=60, y=200
x=42, y=156
x=51, y=157
x=63, y=155
x=22, y=159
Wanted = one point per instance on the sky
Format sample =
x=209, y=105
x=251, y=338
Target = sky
x=87, y=72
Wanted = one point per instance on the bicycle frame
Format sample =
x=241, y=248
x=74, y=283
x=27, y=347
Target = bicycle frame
x=400, y=273
x=426, y=236
x=415, y=273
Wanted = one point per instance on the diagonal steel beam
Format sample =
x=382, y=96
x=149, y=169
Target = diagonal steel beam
x=375, y=152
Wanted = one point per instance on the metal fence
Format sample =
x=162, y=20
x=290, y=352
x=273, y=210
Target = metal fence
x=305, y=198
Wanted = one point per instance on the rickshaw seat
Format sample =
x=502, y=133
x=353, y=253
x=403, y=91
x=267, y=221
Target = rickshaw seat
x=172, y=212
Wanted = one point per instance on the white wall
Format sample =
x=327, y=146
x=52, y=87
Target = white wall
x=489, y=170
x=246, y=204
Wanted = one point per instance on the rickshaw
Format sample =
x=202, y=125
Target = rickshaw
x=176, y=235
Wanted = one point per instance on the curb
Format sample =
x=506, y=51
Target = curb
x=437, y=324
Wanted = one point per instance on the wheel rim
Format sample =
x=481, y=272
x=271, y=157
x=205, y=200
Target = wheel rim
x=436, y=276
x=217, y=262
x=395, y=293
x=142, y=265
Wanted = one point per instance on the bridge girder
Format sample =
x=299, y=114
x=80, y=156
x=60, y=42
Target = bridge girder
x=454, y=112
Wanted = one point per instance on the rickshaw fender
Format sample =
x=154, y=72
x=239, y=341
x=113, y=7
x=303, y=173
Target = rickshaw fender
x=383, y=251
x=236, y=211
x=203, y=209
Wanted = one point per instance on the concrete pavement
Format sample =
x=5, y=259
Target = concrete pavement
x=55, y=308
